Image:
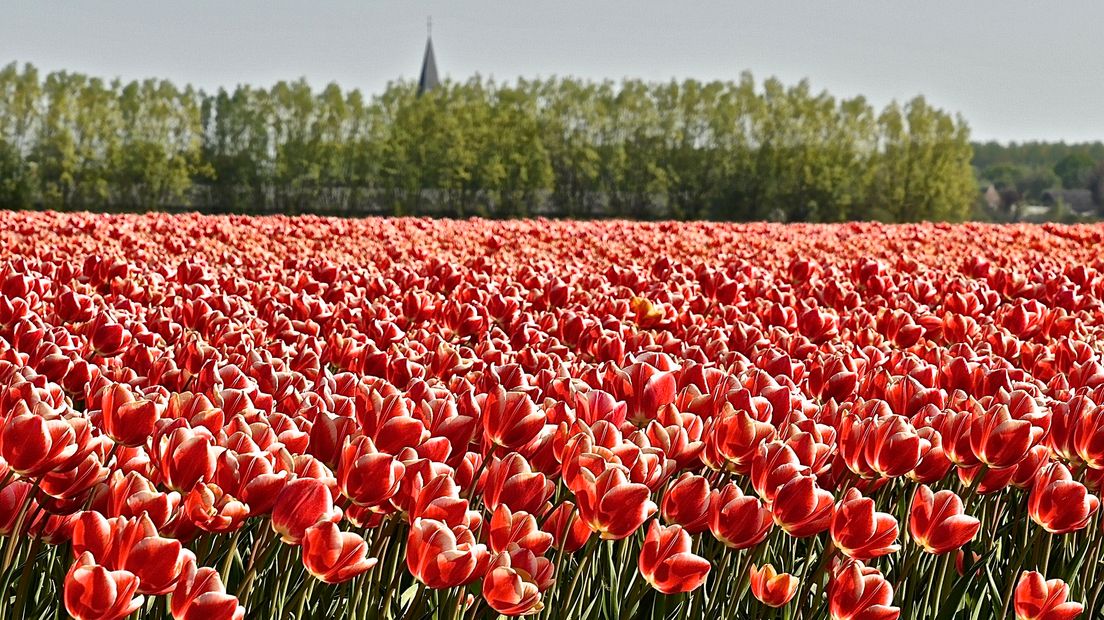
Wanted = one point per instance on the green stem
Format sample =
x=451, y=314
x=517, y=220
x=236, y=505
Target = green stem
x=264, y=548
x=416, y=604
x=1015, y=572
x=25, y=578
x=569, y=600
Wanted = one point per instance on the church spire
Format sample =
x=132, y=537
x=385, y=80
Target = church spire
x=428, y=80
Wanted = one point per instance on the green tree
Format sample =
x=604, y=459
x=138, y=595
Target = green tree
x=1074, y=170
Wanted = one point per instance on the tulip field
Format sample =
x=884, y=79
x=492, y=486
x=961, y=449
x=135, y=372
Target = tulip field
x=218, y=418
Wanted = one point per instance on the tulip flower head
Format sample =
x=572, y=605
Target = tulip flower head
x=1036, y=598
x=667, y=562
x=938, y=522
x=772, y=588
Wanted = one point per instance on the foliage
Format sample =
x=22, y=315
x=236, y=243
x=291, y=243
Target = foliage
x=1023, y=172
x=561, y=146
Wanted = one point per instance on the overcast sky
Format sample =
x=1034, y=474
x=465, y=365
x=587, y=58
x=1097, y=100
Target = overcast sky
x=1017, y=70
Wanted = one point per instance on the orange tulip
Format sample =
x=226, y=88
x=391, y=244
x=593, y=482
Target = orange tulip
x=772, y=588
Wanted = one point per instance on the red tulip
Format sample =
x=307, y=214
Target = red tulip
x=107, y=337
x=687, y=503
x=443, y=558
x=158, y=563
x=94, y=593
x=1028, y=469
x=32, y=445
x=938, y=522
x=185, y=456
x=213, y=510
x=512, y=482
x=200, y=595
x=110, y=541
x=1039, y=599
x=772, y=588
x=646, y=390
x=126, y=419
x=15, y=498
x=75, y=483
x=516, y=528
x=510, y=419
x=859, y=531
x=678, y=434
x=301, y=504
x=334, y=556
x=366, y=476
x=257, y=483
x=568, y=531
x=515, y=581
x=999, y=440
x=884, y=447
x=612, y=506
x=1059, y=503
x=737, y=520
x=1088, y=436
x=861, y=593
x=934, y=465
x=440, y=500
x=803, y=509
x=667, y=562
x=985, y=480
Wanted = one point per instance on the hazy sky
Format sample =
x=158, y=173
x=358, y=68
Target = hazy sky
x=1015, y=69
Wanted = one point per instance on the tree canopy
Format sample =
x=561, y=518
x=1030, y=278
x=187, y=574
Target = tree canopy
x=560, y=146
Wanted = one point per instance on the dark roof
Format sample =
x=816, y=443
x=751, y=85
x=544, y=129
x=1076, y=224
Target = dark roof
x=428, y=81
x=1079, y=200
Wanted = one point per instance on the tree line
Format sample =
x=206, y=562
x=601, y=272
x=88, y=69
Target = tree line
x=565, y=147
x=1025, y=171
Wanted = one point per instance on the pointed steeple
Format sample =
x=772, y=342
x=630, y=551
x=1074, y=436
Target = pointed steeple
x=428, y=80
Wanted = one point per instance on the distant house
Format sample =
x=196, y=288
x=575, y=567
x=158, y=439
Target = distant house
x=1079, y=201
x=992, y=197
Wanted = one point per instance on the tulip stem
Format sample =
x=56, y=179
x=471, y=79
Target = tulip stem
x=263, y=546
x=721, y=573
x=560, y=553
x=25, y=578
x=944, y=563
x=303, y=594
x=416, y=604
x=458, y=609
x=1095, y=540
x=13, y=539
x=584, y=562
x=1014, y=574
x=1046, y=554
x=228, y=562
x=634, y=595
x=806, y=590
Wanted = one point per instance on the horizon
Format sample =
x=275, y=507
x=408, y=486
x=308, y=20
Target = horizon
x=882, y=53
